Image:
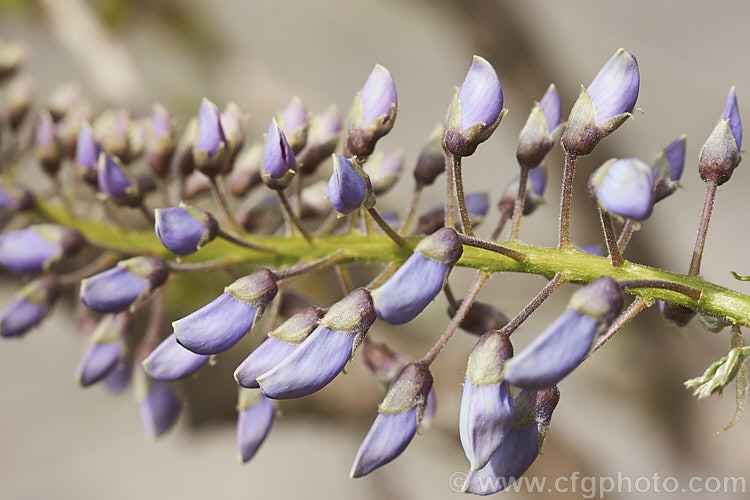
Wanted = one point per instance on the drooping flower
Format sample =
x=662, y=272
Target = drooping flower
x=87, y=153
x=373, y=113
x=31, y=304
x=158, y=406
x=111, y=132
x=47, y=149
x=185, y=229
x=535, y=186
x=385, y=170
x=254, y=419
x=105, y=350
x=170, y=361
x=246, y=172
x=124, y=286
x=37, y=247
x=160, y=141
x=233, y=123
x=431, y=161
x=14, y=198
x=480, y=318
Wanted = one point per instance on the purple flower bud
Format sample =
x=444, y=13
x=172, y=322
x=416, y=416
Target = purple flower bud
x=720, y=154
x=111, y=132
x=322, y=138
x=170, y=361
x=87, y=153
x=69, y=128
x=373, y=113
x=431, y=161
x=124, y=286
x=476, y=109
x=535, y=186
x=277, y=346
x=46, y=147
x=398, y=417
x=624, y=187
x=15, y=198
x=183, y=161
x=116, y=182
x=480, y=318
x=254, y=420
x=279, y=164
x=159, y=408
x=105, y=350
x=539, y=134
x=37, y=247
x=63, y=98
x=195, y=184
x=349, y=187
x=406, y=293
x=246, y=172
x=30, y=306
x=676, y=313
x=220, y=324
x=18, y=98
x=385, y=170
x=185, y=229
x=550, y=104
x=119, y=379
x=293, y=121
x=604, y=105
x=322, y=355
x=384, y=363
x=477, y=206
x=432, y=220
x=233, y=123
x=210, y=147
x=532, y=414
x=160, y=140
x=566, y=342
x=666, y=168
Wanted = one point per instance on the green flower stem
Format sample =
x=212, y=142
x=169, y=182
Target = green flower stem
x=575, y=266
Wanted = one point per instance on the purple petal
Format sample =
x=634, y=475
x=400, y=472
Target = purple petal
x=346, y=189
x=550, y=104
x=294, y=115
x=378, y=95
x=329, y=125
x=20, y=316
x=675, y=153
x=25, y=251
x=119, y=379
x=170, y=361
x=217, y=326
x=554, y=353
x=278, y=157
x=732, y=113
x=99, y=360
x=87, y=149
x=538, y=179
x=266, y=356
x=210, y=133
x=179, y=231
x=112, y=180
x=481, y=95
x=614, y=90
x=159, y=410
x=628, y=189
x=112, y=291
x=485, y=420
x=430, y=408
x=389, y=435
x=253, y=425
x=311, y=366
x=477, y=204
x=593, y=250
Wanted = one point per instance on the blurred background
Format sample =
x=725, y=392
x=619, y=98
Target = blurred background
x=625, y=410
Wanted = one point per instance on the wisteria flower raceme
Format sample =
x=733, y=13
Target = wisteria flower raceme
x=417, y=282
x=604, y=105
x=161, y=141
x=170, y=361
x=158, y=406
x=373, y=113
x=666, y=168
x=47, y=148
x=385, y=170
x=185, y=229
x=325, y=352
x=624, y=187
x=279, y=164
x=398, y=418
x=220, y=324
x=115, y=181
x=210, y=148
x=124, y=286
x=254, y=419
x=349, y=187
x=566, y=342
x=720, y=154
x=322, y=137
x=541, y=130
x=29, y=307
x=475, y=111
x=105, y=350
x=37, y=247
x=293, y=120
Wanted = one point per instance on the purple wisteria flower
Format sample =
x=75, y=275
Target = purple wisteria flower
x=349, y=187
x=119, y=379
x=170, y=361
x=325, y=352
x=210, y=148
x=399, y=415
x=373, y=113
x=161, y=141
x=624, y=187
x=604, y=105
x=293, y=121
x=87, y=153
x=15, y=198
x=29, y=307
x=116, y=182
x=477, y=206
x=277, y=346
x=539, y=134
x=720, y=154
x=476, y=109
x=105, y=350
x=37, y=247
x=535, y=186
x=185, y=229
x=385, y=170
x=279, y=164
x=666, y=168
x=111, y=132
x=124, y=286
x=254, y=419
x=158, y=406
x=417, y=282
x=431, y=161
x=486, y=412
x=220, y=324
x=69, y=127
x=566, y=342
x=322, y=138
x=46, y=146
x=233, y=123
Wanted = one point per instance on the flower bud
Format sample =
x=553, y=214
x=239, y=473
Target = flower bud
x=18, y=98
x=111, y=132
x=233, y=123
x=475, y=111
x=220, y=324
x=385, y=170
x=124, y=286
x=37, y=247
x=47, y=149
x=322, y=138
x=720, y=154
x=624, y=187
x=676, y=313
x=160, y=141
x=195, y=184
x=566, y=342
x=13, y=55
x=431, y=161
x=116, y=182
x=535, y=186
x=170, y=361
x=254, y=419
x=293, y=121
x=349, y=187
x=278, y=165
x=538, y=135
x=373, y=113
x=15, y=198
x=137, y=138
x=158, y=407
x=277, y=346
x=486, y=412
x=29, y=307
x=431, y=220
x=666, y=168
x=105, y=350
x=183, y=161
x=396, y=424
x=315, y=200
x=210, y=148
x=246, y=172
x=119, y=379
x=63, y=98
x=604, y=105
x=477, y=206
x=480, y=318
x=185, y=229
x=325, y=352
x=69, y=127
x=87, y=154
x=416, y=283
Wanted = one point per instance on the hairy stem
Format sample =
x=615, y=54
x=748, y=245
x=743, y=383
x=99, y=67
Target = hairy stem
x=567, y=192
x=700, y=241
x=609, y=236
x=492, y=247
x=504, y=216
x=386, y=227
x=627, y=232
x=626, y=317
x=520, y=201
x=239, y=241
x=409, y=218
x=449, y=222
x=224, y=204
x=292, y=218
x=532, y=306
x=465, y=222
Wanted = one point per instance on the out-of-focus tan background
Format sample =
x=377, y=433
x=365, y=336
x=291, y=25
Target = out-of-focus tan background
x=624, y=411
